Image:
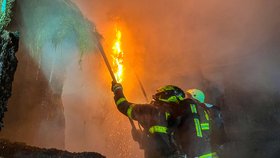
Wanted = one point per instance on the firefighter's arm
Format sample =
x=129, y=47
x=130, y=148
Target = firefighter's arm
x=134, y=111
x=123, y=105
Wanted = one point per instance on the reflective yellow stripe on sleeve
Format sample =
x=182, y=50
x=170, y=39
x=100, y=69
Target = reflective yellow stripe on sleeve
x=205, y=126
x=129, y=111
x=158, y=129
x=121, y=100
x=210, y=155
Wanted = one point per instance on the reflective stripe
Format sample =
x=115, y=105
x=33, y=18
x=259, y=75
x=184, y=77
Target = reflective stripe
x=197, y=127
x=167, y=115
x=158, y=129
x=121, y=100
x=206, y=115
x=205, y=126
x=129, y=111
x=193, y=108
x=172, y=99
x=210, y=155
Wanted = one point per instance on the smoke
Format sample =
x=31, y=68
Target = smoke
x=228, y=49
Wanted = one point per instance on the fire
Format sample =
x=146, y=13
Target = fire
x=118, y=57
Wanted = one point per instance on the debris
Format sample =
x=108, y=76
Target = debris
x=21, y=150
x=8, y=64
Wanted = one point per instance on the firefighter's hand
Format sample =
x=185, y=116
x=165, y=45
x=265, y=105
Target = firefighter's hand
x=116, y=86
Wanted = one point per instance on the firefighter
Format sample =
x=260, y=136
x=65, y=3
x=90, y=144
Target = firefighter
x=159, y=120
x=213, y=119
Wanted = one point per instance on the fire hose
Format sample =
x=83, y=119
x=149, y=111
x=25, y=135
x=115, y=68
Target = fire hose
x=112, y=74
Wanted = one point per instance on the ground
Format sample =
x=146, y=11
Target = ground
x=21, y=150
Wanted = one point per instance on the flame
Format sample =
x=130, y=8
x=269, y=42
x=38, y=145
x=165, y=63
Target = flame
x=118, y=56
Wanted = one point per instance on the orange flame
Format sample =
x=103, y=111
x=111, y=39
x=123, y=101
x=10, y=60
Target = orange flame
x=118, y=57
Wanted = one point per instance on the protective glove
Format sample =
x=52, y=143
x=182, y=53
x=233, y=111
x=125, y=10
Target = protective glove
x=116, y=86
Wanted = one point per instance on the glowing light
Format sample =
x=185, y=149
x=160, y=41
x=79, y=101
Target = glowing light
x=118, y=57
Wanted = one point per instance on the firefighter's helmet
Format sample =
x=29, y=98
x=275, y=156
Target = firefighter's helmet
x=169, y=94
x=197, y=94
